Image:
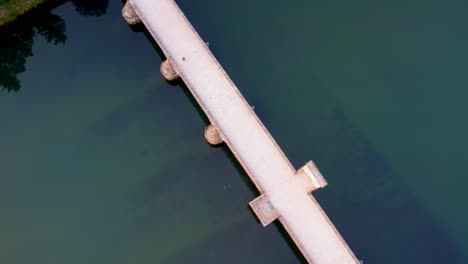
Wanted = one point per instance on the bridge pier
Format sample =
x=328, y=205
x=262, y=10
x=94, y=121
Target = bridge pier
x=128, y=12
x=168, y=70
x=212, y=135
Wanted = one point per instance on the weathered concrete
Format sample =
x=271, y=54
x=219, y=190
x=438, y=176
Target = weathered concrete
x=285, y=191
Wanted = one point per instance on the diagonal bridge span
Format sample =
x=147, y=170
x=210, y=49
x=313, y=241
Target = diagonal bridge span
x=285, y=191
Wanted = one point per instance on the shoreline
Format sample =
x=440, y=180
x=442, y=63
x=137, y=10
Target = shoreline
x=12, y=9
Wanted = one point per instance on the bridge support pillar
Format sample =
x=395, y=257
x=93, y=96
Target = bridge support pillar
x=129, y=14
x=168, y=70
x=212, y=135
x=310, y=177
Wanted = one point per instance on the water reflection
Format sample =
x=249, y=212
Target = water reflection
x=17, y=42
x=91, y=7
x=18, y=37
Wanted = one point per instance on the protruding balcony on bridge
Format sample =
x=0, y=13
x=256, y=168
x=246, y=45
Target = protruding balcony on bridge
x=168, y=70
x=264, y=209
x=310, y=177
x=129, y=14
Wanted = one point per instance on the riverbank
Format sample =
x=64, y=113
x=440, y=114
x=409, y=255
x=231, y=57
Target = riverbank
x=11, y=9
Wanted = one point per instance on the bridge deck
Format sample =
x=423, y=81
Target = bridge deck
x=243, y=132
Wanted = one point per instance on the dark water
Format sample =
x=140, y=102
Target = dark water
x=102, y=161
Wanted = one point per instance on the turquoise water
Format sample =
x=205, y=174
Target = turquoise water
x=102, y=161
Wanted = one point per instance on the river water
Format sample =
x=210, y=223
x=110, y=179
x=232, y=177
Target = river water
x=102, y=161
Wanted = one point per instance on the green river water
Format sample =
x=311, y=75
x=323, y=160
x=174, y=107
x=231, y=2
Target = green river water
x=102, y=161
